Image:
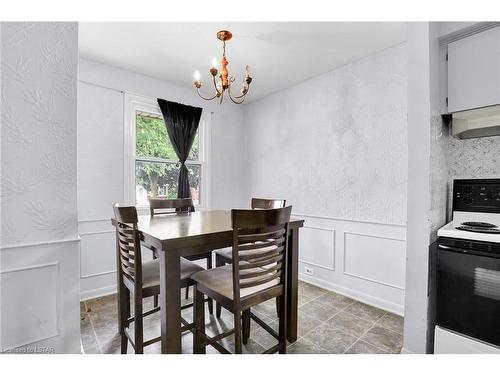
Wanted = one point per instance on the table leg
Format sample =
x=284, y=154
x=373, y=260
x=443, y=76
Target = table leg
x=170, y=302
x=292, y=292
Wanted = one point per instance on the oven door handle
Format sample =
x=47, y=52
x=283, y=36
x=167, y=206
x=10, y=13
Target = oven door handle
x=468, y=251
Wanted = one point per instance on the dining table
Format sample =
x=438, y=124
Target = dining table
x=186, y=234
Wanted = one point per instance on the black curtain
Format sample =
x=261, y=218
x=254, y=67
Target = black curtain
x=182, y=123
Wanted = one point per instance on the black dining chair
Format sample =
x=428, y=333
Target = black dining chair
x=141, y=279
x=257, y=273
x=225, y=256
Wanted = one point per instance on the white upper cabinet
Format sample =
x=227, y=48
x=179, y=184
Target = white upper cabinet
x=474, y=71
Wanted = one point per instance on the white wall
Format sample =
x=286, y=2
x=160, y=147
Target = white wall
x=419, y=185
x=335, y=147
x=39, y=240
x=101, y=160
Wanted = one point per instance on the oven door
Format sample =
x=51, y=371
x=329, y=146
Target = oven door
x=468, y=291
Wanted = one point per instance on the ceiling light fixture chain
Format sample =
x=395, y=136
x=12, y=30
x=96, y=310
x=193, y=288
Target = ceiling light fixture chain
x=221, y=80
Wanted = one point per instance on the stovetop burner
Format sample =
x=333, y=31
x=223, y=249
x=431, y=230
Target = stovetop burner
x=476, y=229
x=478, y=224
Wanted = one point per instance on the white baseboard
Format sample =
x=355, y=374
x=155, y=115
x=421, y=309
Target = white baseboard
x=406, y=351
x=362, y=297
x=99, y=292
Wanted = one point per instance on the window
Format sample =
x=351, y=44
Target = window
x=155, y=164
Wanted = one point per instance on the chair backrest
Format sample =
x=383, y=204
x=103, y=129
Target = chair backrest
x=268, y=203
x=260, y=239
x=128, y=246
x=169, y=206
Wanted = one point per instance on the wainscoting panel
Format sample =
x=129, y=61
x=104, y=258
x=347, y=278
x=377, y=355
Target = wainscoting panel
x=361, y=259
x=98, y=257
x=39, y=288
x=314, y=238
x=97, y=253
x=376, y=259
x=33, y=313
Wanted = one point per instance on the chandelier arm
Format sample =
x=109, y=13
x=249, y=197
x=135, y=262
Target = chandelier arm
x=215, y=86
x=233, y=99
x=243, y=95
x=221, y=97
x=201, y=96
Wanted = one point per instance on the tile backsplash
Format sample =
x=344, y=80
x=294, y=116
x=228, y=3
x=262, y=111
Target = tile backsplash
x=473, y=158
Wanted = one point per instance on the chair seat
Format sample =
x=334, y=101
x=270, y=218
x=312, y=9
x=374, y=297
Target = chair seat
x=151, y=271
x=220, y=280
x=225, y=253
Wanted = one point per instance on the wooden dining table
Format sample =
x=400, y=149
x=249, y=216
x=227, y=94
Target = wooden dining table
x=186, y=234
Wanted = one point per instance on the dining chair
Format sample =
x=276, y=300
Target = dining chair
x=224, y=256
x=166, y=206
x=258, y=273
x=142, y=279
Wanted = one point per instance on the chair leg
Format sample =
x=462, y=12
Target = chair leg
x=124, y=343
x=237, y=332
x=187, y=293
x=155, y=297
x=199, y=321
x=278, y=307
x=124, y=314
x=246, y=326
x=210, y=301
x=219, y=262
x=282, y=324
x=138, y=324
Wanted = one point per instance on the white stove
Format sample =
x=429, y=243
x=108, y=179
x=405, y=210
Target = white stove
x=467, y=293
x=478, y=226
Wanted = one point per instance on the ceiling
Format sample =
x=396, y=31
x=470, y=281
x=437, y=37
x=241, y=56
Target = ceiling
x=280, y=54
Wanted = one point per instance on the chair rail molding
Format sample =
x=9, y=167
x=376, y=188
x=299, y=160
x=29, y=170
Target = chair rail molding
x=348, y=219
x=39, y=244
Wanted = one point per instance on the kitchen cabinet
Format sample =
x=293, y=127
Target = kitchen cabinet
x=474, y=71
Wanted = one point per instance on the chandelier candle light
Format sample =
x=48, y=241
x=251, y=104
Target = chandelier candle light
x=224, y=82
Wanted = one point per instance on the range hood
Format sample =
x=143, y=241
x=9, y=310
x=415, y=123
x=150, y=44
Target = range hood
x=475, y=123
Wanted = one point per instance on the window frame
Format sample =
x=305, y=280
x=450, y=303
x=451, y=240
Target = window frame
x=134, y=104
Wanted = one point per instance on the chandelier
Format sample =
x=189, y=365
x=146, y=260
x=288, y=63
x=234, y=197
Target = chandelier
x=221, y=80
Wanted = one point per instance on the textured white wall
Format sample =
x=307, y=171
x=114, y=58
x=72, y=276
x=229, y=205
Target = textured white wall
x=335, y=145
x=39, y=244
x=38, y=131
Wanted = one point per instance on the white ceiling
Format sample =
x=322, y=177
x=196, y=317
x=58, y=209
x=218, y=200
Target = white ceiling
x=280, y=54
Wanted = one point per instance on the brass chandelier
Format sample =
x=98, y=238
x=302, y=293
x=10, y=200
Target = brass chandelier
x=224, y=82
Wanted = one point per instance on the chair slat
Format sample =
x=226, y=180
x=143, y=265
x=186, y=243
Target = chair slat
x=261, y=244
x=126, y=254
x=260, y=257
x=262, y=236
x=262, y=271
x=260, y=281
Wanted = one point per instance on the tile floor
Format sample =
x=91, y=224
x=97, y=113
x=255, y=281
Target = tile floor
x=328, y=323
